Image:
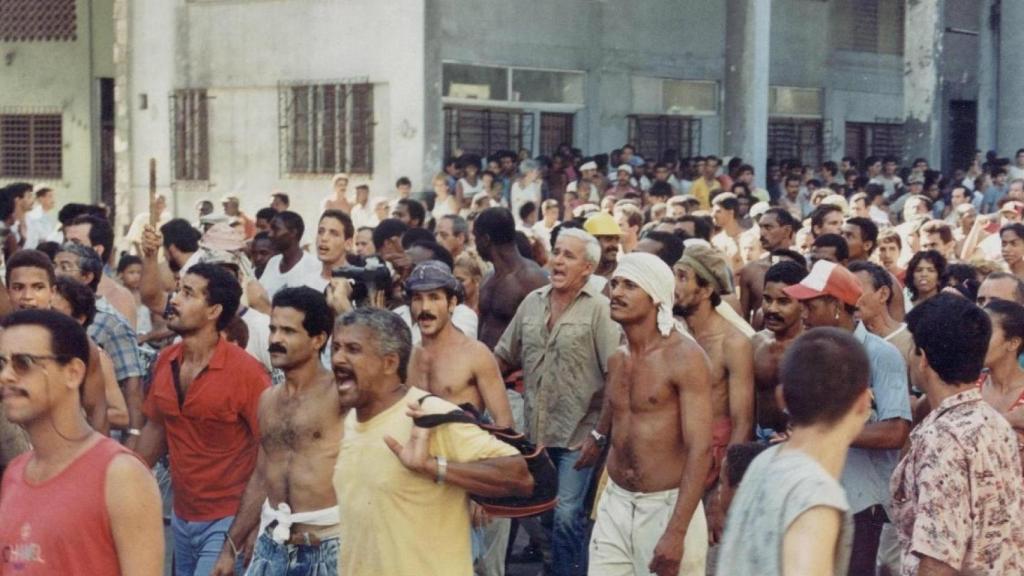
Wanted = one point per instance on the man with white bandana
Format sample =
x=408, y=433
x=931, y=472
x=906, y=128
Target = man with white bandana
x=650, y=518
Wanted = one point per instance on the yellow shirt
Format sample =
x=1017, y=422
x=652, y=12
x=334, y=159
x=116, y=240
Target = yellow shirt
x=703, y=192
x=395, y=522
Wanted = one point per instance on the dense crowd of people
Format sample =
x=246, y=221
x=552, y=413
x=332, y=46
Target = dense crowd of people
x=822, y=375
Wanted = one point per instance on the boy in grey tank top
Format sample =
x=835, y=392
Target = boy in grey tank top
x=790, y=515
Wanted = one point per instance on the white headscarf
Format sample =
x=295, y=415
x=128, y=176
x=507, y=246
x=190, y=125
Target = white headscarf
x=653, y=276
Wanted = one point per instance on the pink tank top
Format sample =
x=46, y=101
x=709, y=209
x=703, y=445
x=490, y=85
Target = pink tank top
x=60, y=526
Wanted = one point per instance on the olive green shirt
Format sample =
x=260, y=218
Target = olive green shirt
x=564, y=368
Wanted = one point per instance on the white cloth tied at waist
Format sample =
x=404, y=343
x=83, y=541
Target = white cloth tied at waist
x=284, y=517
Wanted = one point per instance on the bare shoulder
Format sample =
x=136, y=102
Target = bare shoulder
x=761, y=338
x=126, y=471
x=620, y=355
x=735, y=341
x=688, y=361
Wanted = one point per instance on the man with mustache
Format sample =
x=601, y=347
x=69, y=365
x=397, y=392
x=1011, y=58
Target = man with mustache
x=463, y=371
x=783, y=323
x=300, y=431
x=778, y=228
x=202, y=408
x=650, y=518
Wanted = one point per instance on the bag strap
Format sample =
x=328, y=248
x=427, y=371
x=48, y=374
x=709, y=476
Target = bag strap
x=435, y=420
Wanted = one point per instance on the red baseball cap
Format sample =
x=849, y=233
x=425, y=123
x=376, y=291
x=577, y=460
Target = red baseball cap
x=828, y=279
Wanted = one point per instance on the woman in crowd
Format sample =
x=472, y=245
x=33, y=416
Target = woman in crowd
x=923, y=275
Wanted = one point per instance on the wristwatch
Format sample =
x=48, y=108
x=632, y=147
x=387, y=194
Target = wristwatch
x=442, y=469
x=601, y=439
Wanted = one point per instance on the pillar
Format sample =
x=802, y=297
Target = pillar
x=988, y=74
x=745, y=117
x=922, y=80
x=1010, y=121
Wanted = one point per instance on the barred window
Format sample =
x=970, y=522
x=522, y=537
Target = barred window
x=37, y=20
x=866, y=139
x=655, y=135
x=30, y=146
x=191, y=144
x=484, y=131
x=793, y=139
x=869, y=26
x=327, y=128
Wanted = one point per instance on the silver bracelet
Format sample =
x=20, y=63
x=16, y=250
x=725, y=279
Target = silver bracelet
x=442, y=469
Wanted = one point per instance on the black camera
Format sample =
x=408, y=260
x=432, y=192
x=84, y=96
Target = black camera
x=365, y=279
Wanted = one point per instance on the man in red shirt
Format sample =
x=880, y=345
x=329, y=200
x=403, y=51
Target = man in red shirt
x=78, y=503
x=202, y=410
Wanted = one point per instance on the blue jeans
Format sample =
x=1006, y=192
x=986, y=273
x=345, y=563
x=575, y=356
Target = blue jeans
x=197, y=545
x=272, y=559
x=568, y=538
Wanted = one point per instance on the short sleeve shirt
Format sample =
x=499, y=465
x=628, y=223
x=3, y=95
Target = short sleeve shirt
x=306, y=272
x=212, y=432
x=957, y=493
x=111, y=332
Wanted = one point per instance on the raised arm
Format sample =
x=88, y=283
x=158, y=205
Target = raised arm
x=739, y=361
x=150, y=288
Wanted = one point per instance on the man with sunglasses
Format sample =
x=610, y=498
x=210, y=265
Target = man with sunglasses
x=78, y=503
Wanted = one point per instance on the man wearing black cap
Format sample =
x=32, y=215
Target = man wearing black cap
x=463, y=371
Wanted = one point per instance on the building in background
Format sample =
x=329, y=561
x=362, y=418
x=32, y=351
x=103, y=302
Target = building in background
x=246, y=97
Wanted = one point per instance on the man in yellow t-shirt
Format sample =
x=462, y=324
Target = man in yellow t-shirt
x=402, y=490
x=706, y=185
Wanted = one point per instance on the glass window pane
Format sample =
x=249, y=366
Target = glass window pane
x=547, y=86
x=684, y=97
x=786, y=101
x=475, y=82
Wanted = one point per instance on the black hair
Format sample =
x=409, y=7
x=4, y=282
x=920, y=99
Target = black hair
x=439, y=252
x=523, y=245
x=960, y=273
x=180, y=234
x=293, y=222
x=50, y=248
x=222, y=288
x=1010, y=317
x=497, y=224
x=101, y=233
x=784, y=218
x=822, y=374
x=126, y=261
x=416, y=210
x=31, y=259
x=1015, y=227
x=660, y=189
x=671, y=246
x=386, y=230
x=80, y=297
x=317, y=316
x=786, y=272
x=738, y=458
x=702, y=225
x=793, y=255
x=281, y=196
x=72, y=210
x=879, y=276
x=730, y=204
x=403, y=181
x=526, y=209
x=267, y=214
x=414, y=235
x=937, y=260
x=834, y=241
x=261, y=235
x=346, y=221
x=954, y=335
x=868, y=231
x=67, y=336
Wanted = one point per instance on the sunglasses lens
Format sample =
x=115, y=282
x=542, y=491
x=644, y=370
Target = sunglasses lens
x=22, y=363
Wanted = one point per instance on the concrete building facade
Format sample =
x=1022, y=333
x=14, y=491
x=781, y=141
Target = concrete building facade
x=247, y=97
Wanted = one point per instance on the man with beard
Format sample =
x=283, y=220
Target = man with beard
x=702, y=277
x=494, y=232
x=202, y=409
x=300, y=431
x=650, y=518
x=461, y=370
x=778, y=228
x=783, y=323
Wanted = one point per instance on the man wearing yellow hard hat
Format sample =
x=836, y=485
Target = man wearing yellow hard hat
x=603, y=227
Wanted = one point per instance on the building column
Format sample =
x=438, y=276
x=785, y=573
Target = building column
x=1010, y=121
x=122, y=121
x=988, y=74
x=922, y=80
x=745, y=117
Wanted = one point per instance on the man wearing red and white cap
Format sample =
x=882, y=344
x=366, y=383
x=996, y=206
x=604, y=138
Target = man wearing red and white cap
x=830, y=294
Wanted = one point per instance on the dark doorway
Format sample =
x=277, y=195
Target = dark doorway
x=107, y=143
x=963, y=133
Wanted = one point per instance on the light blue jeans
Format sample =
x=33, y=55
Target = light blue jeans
x=273, y=559
x=568, y=537
x=197, y=545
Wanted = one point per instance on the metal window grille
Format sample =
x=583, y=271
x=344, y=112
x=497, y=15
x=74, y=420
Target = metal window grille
x=802, y=140
x=870, y=26
x=484, y=131
x=191, y=145
x=555, y=130
x=30, y=145
x=655, y=135
x=37, y=20
x=867, y=139
x=326, y=128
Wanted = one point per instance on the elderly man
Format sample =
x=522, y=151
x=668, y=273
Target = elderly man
x=562, y=336
x=650, y=518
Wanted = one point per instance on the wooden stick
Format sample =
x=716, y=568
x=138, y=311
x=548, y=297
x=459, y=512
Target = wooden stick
x=154, y=215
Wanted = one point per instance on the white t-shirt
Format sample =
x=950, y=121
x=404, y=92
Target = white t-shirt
x=463, y=318
x=521, y=196
x=258, y=324
x=306, y=272
x=363, y=216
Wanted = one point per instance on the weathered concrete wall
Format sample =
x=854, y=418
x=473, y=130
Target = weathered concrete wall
x=1010, y=120
x=748, y=40
x=922, y=80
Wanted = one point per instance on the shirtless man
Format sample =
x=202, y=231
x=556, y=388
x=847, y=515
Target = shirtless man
x=494, y=232
x=658, y=411
x=778, y=228
x=289, y=495
x=461, y=370
x=783, y=320
x=701, y=278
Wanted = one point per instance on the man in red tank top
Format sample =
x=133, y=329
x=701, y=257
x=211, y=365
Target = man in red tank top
x=78, y=503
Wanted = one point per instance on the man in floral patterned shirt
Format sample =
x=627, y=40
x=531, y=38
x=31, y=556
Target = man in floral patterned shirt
x=957, y=494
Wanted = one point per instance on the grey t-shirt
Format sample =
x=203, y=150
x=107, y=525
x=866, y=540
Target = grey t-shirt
x=777, y=488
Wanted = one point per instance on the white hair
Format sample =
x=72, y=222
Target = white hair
x=591, y=247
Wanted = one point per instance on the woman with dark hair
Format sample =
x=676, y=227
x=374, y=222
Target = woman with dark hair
x=1012, y=237
x=962, y=278
x=924, y=273
x=1003, y=389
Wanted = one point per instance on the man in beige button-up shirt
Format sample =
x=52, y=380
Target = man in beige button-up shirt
x=562, y=336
